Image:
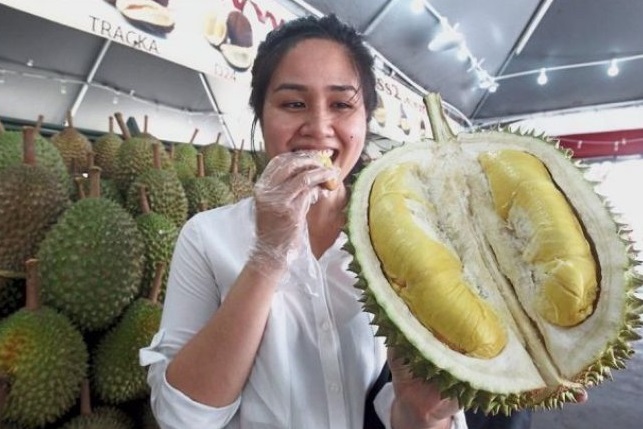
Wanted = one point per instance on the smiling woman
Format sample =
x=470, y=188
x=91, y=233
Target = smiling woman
x=261, y=318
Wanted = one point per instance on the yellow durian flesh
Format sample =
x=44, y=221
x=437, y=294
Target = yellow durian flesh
x=428, y=274
x=554, y=242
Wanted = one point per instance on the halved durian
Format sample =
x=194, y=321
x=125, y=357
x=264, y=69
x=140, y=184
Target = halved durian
x=492, y=265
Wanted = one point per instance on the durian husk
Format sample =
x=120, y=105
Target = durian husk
x=541, y=366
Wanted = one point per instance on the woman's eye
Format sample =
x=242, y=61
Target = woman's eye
x=293, y=104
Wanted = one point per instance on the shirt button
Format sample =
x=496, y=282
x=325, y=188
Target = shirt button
x=334, y=387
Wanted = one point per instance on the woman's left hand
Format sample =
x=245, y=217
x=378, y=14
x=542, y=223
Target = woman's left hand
x=417, y=404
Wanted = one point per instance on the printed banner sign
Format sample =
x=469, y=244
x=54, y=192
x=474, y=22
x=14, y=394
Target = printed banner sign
x=218, y=38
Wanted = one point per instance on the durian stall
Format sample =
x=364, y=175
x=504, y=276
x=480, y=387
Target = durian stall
x=96, y=183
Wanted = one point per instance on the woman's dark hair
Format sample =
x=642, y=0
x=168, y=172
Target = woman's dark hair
x=283, y=38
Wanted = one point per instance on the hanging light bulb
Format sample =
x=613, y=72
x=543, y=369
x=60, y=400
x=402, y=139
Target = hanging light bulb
x=417, y=6
x=463, y=52
x=115, y=99
x=2, y=73
x=448, y=37
x=63, y=87
x=542, y=77
x=613, y=69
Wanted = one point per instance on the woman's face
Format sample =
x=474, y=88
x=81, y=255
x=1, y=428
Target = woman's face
x=314, y=102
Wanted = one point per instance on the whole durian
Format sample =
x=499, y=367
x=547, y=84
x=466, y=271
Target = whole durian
x=43, y=361
x=73, y=146
x=106, y=149
x=117, y=375
x=165, y=192
x=206, y=192
x=135, y=156
x=217, y=158
x=493, y=267
x=92, y=261
x=159, y=236
x=11, y=153
x=183, y=157
x=32, y=199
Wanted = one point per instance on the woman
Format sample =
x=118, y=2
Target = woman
x=261, y=326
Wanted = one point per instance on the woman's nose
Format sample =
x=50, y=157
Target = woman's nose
x=318, y=123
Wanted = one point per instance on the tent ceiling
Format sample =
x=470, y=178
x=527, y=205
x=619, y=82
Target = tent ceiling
x=571, y=33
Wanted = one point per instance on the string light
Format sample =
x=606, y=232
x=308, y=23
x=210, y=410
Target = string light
x=542, y=77
x=63, y=87
x=613, y=69
x=2, y=73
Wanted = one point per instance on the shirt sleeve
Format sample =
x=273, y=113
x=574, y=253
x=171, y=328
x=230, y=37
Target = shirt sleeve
x=384, y=401
x=191, y=299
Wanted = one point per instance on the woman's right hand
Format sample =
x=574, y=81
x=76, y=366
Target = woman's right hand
x=283, y=194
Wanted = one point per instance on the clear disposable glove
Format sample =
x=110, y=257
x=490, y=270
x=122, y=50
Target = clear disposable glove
x=418, y=403
x=289, y=185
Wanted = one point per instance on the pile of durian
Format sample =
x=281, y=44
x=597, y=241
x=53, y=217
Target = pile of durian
x=494, y=267
x=87, y=230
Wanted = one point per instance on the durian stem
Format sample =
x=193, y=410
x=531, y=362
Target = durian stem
x=33, y=285
x=145, y=122
x=2, y=130
x=144, y=202
x=234, y=166
x=218, y=138
x=70, y=120
x=200, y=166
x=172, y=150
x=123, y=126
x=94, y=182
x=243, y=142
x=439, y=125
x=29, y=145
x=85, y=399
x=111, y=125
x=156, y=149
x=80, y=180
x=203, y=206
x=157, y=282
x=39, y=122
x=90, y=159
x=196, y=131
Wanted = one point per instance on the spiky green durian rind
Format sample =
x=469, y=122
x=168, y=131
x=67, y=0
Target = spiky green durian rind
x=45, y=359
x=159, y=236
x=74, y=148
x=32, y=199
x=165, y=194
x=117, y=375
x=185, y=161
x=101, y=418
x=47, y=155
x=217, y=159
x=135, y=156
x=204, y=193
x=105, y=152
x=91, y=263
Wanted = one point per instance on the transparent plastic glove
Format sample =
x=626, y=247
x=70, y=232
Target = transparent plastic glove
x=289, y=185
x=417, y=402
